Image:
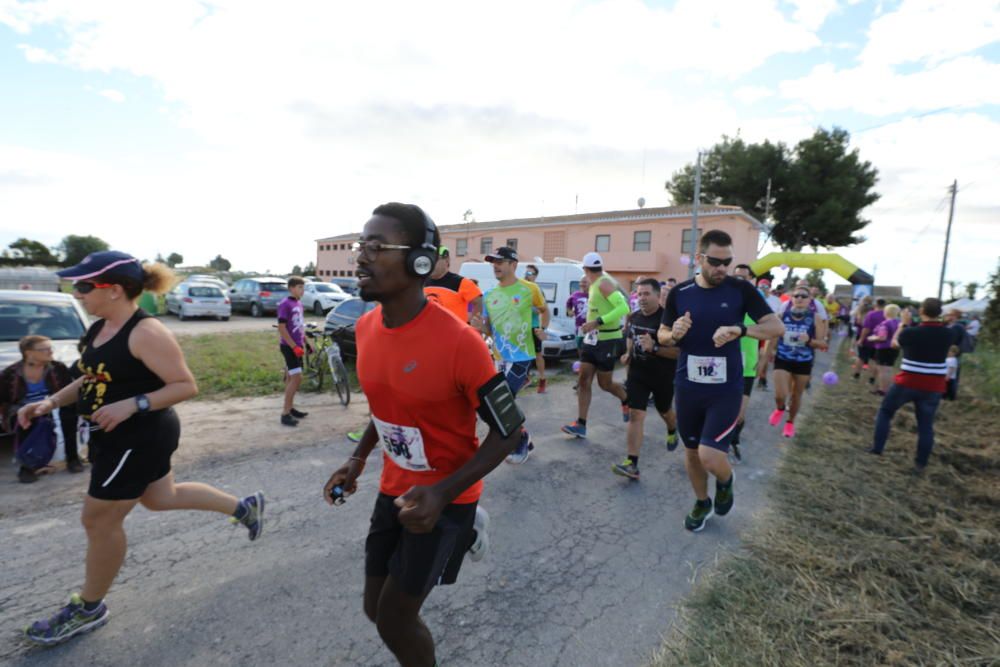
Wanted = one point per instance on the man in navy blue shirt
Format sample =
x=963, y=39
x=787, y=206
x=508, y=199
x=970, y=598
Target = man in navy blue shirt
x=704, y=318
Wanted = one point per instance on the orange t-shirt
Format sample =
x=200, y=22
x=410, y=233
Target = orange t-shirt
x=453, y=292
x=421, y=380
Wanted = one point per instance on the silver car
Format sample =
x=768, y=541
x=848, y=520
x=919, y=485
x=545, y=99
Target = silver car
x=53, y=314
x=321, y=297
x=258, y=296
x=197, y=299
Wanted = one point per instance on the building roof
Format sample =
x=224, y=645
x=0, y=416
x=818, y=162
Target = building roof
x=629, y=215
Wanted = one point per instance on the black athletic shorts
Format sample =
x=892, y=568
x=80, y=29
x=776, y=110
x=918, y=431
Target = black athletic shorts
x=793, y=367
x=865, y=353
x=418, y=562
x=748, y=385
x=641, y=382
x=886, y=357
x=292, y=363
x=132, y=456
x=538, y=342
x=707, y=417
x=602, y=355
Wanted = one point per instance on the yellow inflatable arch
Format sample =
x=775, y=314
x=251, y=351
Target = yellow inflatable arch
x=806, y=260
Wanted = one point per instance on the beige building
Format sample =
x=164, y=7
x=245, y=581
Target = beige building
x=647, y=241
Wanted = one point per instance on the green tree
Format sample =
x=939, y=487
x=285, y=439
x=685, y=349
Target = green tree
x=297, y=270
x=35, y=251
x=971, y=289
x=815, y=279
x=174, y=258
x=75, y=248
x=309, y=269
x=952, y=289
x=220, y=263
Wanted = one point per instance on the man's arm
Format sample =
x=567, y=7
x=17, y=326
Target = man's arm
x=617, y=299
x=285, y=336
x=477, y=306
x=767, y=327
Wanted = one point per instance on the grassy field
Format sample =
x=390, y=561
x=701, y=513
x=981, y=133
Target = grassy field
x=238, y=364
x=861, y=562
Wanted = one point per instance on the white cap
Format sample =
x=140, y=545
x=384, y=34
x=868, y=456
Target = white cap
x=592, y=261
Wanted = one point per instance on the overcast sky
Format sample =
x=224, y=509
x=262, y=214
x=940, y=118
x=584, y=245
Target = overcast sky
x=252, y=128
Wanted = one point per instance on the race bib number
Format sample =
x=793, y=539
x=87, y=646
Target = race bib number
x=403, y=444
x=792, y=339
x=590, y=338
x=706, y=370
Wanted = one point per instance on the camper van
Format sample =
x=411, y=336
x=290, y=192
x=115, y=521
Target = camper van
x=557, y=280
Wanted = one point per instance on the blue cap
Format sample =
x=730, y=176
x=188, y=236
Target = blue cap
x=110, y=263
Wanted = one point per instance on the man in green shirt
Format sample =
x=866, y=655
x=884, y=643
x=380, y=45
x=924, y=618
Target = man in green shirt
x=749, y=348
x=602, y=341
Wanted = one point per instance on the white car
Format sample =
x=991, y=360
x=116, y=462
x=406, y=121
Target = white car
x=321, y=297
x=199, y=300
x=53, y=314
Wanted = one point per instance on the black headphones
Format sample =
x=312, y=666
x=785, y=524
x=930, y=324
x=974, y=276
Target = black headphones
x=420, y=261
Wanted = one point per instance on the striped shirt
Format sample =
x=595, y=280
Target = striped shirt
x=925, y=353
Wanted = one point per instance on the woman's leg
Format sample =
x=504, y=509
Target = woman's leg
x=782, y=388
x=106, y=544
x=799, y=383
x=163, y=495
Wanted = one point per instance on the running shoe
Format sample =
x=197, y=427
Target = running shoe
x=872, y=450
x=355, y=436
x=789, y=430
x=70, y=621
x=625, y=416
x=701, y=513
x=775, y=417
x=672, y=441
x=289, y=420
x=576, y=428
x=298, y=414
x=724, y=497
x=254, y=517
x=626, y=469
x=481, y=545
x=523, y=450
x=762, y=383
x=734, y=450
x=541, y=386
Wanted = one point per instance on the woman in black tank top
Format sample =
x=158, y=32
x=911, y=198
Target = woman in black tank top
x=132, y=373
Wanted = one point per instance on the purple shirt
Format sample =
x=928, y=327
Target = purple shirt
x=291, y=312
x=872, y=320
x=577, y=304
x=886, y=328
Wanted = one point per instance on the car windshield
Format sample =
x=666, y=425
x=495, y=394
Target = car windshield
x=58, y=321
x=325, y=287
x=205, y=292
x=273, y=287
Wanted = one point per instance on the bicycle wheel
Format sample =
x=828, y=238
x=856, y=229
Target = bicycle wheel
x=314, y=370
x=339, y=378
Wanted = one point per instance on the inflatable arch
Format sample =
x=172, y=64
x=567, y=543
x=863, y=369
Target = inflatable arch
x=807, y=260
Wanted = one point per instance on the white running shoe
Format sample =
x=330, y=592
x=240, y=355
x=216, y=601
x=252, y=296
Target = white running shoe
x=481, y=525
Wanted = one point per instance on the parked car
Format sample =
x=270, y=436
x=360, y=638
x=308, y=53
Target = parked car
x=198, y=299
x=349, y=285
x=205, y=278
x=258, y=296
x=53, y=314
x=346, y=314
x=321, y=297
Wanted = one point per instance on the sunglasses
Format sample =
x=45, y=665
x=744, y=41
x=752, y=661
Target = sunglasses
x=88, y=287
x=800, y=296
x=715, y=261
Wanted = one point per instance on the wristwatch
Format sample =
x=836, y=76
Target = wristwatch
x=142, y=403
x=743, y=330
x=656, y=347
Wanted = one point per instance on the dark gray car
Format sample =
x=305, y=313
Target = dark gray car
x=258, y=296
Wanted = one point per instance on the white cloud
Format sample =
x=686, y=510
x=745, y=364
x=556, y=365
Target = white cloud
x=751, y=94
x=813, y=13
x=115, y=96
x=36, y=55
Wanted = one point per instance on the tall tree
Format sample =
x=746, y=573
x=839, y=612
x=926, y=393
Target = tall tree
x=952, y=289
x=815, y=279
x=220, y=263
x=971, y=289
x=309, y=269
x=297, y=270
x=75, y=248
x=34, y=251
x=174, y=258
x=827, y=188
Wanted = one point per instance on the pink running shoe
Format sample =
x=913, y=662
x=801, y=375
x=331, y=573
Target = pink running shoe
x=789, y=430
x=776, y=417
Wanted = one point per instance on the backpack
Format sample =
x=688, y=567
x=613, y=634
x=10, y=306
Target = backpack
x=35, y=446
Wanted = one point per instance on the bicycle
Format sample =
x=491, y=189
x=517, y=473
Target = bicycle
x=323, y=356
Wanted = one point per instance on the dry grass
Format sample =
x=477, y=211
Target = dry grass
x=861, y=562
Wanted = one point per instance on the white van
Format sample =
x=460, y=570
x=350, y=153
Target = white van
x=557, y=280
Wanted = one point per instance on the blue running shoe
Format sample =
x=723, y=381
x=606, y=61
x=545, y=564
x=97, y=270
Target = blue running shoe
x=523, y=450
x=254, y=517
x=576, y=428
x=70, y=621
x=625, y=416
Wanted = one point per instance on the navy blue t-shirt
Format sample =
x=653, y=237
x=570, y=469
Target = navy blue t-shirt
x=718, y=368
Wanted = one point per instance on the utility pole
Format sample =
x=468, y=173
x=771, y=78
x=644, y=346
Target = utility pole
x=947, y=236
x=694, y=214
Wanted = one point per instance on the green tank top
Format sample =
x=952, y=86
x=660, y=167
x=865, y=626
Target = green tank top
x=598, y=305
x=750, y=348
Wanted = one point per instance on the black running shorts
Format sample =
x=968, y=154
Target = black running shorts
x=602, y=356
x=748, y=385
x=793, y=367
x=886, y=357
x=865, y=353
x=292, y=363
x=707, y=417
x=418, y=561
x=641, y=382
x=132, y=456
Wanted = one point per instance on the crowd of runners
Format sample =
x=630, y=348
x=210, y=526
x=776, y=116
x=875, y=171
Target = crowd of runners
x=435, y=356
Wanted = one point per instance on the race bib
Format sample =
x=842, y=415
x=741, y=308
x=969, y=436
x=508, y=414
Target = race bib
x=403, y=444
x=590, y=338
x=706, y=370
x=792, y=339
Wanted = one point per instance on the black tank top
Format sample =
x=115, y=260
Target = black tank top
x=110, y=371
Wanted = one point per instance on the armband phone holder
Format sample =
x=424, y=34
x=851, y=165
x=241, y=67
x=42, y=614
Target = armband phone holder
x=498, y=408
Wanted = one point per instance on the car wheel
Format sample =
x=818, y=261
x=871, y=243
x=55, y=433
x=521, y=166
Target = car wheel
x=225, y=318
x=255, y=310
x=318, y=308
x=180, y=315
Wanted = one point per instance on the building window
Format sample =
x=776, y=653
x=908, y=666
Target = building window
x=687, y=248
x=486, y=245
x=602, y=243
x=512, y=243
x=461, y=247
x=641, y=241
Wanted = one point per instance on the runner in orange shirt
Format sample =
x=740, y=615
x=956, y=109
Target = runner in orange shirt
x=425, y=375
x=459, y=295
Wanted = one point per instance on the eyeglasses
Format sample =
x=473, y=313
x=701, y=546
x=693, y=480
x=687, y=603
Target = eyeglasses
x=715, y=261
x=530, y=273
x=48, y=348
x=373, y=247
x=88, y=287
